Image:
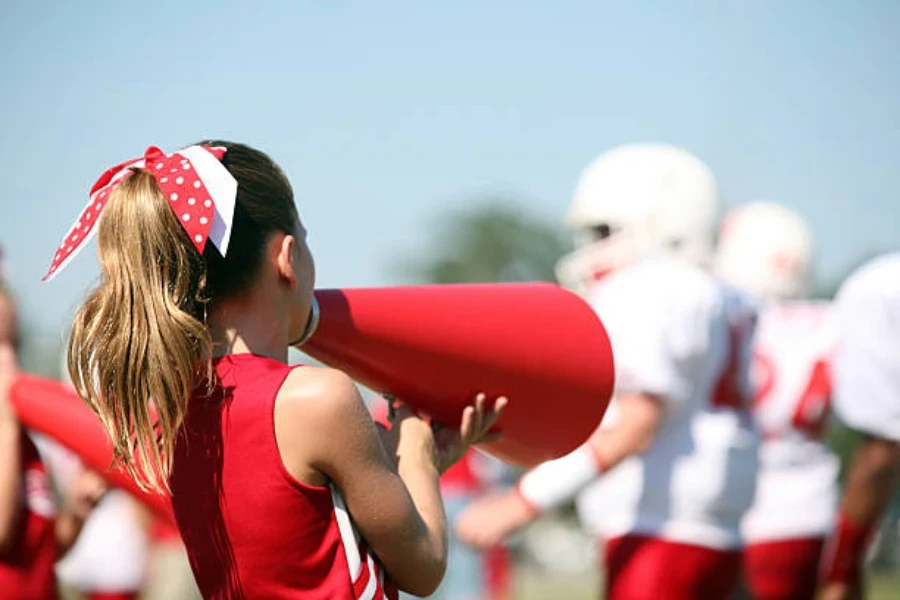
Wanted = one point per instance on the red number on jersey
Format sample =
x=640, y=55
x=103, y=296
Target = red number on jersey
x=731, y=389
x=763, y=377
x=812, y=410
x=813, y=405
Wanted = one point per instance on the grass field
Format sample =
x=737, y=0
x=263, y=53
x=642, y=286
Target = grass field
x=882, y=587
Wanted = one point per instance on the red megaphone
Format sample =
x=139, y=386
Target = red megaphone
x=55, y=410
x=436, y=346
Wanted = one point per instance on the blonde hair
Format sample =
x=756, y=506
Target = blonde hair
x=139, y=343
x=139, y=346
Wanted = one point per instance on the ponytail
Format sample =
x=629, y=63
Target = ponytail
x=139, y=343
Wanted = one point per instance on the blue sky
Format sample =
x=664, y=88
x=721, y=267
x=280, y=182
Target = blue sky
x=385, y=113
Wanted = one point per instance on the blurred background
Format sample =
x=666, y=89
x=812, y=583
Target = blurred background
x=442, y=144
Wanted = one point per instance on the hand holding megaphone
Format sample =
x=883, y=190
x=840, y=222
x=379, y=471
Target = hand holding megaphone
x=474, y=428
x=409, y=432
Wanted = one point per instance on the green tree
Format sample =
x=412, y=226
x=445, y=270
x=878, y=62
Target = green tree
x=491, y=240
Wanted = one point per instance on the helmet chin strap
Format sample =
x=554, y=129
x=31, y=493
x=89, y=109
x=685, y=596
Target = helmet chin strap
x=311, y=324
x=581, y=269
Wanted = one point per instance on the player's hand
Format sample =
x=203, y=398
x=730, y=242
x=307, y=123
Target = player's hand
x=474, y=429
x=833, y=590
x=85, y=493
x=8, y=373
x=488, y=521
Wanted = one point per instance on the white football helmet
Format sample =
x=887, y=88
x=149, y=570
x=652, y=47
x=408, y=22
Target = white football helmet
x=635, y=199
x=767, y=250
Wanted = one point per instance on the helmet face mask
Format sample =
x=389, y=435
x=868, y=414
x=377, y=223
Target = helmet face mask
x=594, y=258
x=635, y=200
x=596, y=233
x=767, y=250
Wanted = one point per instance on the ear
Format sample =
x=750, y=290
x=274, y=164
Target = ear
x=284, y=260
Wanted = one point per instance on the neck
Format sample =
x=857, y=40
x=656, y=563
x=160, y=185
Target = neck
x=249, y=325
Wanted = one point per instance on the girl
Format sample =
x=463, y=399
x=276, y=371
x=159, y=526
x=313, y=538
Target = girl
x=182, y=350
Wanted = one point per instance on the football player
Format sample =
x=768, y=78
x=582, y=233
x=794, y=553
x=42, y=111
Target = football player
x=766, y=249
x=666, y=478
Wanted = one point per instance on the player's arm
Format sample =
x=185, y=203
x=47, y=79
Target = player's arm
x=11, y=492
x=554, y=483
x=866, y=398
x=871, y=480
x=488, y=521
x=323, y=427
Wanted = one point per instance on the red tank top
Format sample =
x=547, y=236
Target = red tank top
x=251, y=529
x=26, y=572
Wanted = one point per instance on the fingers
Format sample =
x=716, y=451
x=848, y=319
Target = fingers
x=481, y=421
x=478, y=426
x=499, y=405
x=467, y=426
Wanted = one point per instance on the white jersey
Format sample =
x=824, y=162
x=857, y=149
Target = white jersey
x=679, y=334
x=796, y=493
x=867, y=363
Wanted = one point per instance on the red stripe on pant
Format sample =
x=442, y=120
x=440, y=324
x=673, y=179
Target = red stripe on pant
x=646, y=568
x=784, y=569
x=498, y=571
x=112, y=595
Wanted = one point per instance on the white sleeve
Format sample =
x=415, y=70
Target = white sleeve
x=867, y=361
x=555, y=482
x=659, y=342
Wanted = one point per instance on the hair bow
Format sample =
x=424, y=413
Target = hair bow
x=198, y=187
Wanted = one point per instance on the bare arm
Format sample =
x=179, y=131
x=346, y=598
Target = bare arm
x=641, y=416
x=11, y=492
x=873, y=476
x=398, y=511
x=488, y=521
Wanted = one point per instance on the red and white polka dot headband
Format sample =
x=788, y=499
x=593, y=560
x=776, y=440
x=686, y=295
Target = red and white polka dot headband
x=198, y=187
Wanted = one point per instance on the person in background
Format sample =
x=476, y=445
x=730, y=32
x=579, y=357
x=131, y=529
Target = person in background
x=766, y=249
x=34, y=532
x=109, y=559
x=867, y=399
x=667, y=476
